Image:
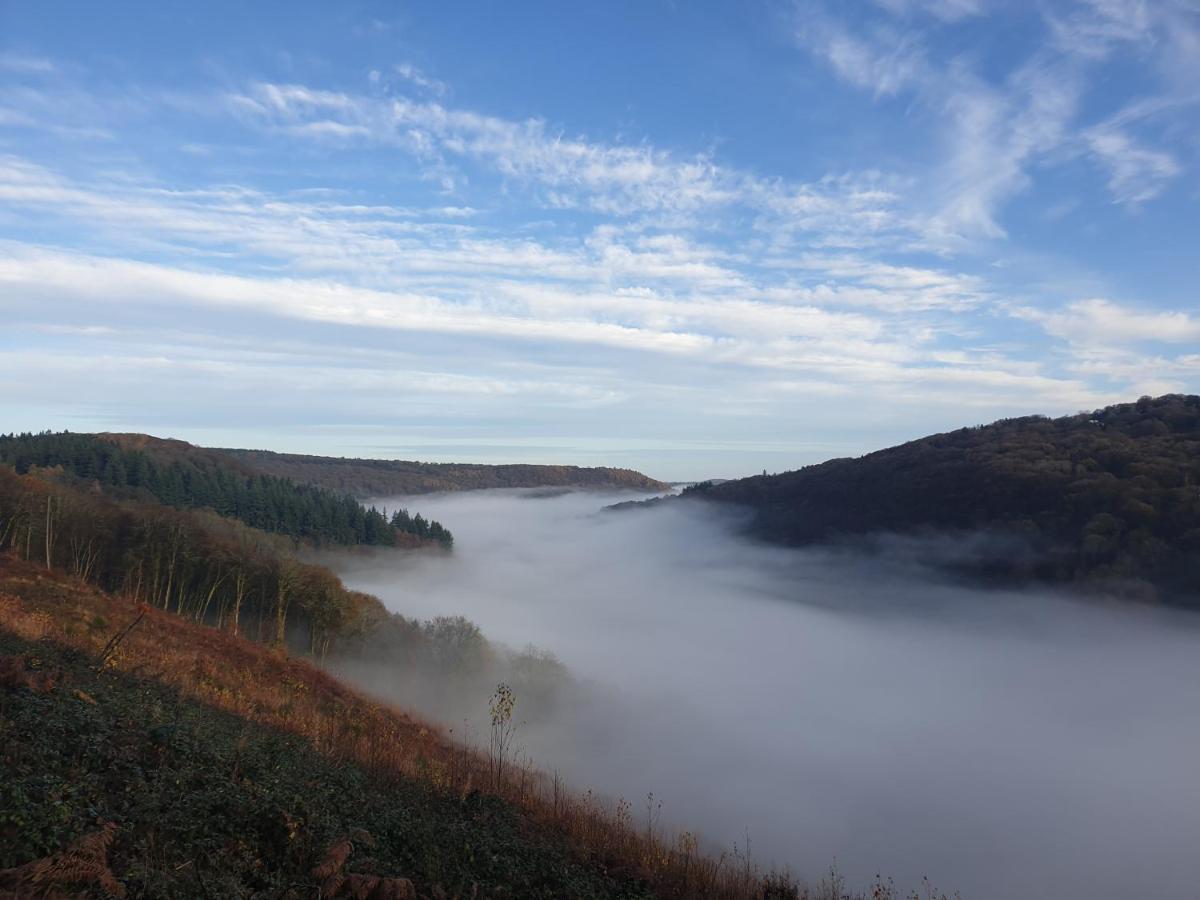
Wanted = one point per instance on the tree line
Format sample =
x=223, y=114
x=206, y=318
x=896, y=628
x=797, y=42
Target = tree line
x=384, y=477
x=200, y=480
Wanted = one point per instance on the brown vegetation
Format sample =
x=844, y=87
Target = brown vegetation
x=83, y=864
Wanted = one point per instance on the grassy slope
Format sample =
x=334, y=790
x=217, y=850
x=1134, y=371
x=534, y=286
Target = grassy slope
x=229, y=769
x=365, y=478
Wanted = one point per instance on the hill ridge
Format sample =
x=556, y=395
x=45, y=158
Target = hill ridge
x=366, y=478
x=1109, y=496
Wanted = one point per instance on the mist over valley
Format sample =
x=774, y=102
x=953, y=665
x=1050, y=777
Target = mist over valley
x=825, y=704
x=644, y=450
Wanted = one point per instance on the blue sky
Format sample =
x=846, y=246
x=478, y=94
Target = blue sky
x=698, y=239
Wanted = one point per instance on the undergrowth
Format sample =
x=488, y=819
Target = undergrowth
x=201, y=803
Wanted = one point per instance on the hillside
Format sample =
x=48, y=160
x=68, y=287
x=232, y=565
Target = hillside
x=177, y=474
x=365, y=478
x=1109, y=496
x=189, y=763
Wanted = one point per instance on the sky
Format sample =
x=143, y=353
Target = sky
x=697, y=239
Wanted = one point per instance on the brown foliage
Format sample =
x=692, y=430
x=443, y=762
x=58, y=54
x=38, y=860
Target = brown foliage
x=84, y=864
x=333, y=860
x=337, y=883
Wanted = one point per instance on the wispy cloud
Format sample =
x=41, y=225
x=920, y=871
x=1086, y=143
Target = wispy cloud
x=615, y=179
x=1136, y=174
x=1102, y=322
x=28, y=65
x=997, y=129
x=414, y=75
x=885, y=63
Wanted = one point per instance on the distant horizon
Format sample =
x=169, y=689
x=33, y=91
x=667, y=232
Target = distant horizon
x=694, y=240
x=520, y=454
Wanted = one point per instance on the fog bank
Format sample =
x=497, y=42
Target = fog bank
x=831, y=705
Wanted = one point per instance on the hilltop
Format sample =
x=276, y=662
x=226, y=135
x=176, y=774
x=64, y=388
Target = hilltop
x=365, y=478
x=1105, y=497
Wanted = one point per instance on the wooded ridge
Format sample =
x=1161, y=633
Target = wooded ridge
x=366, y=478
x=1109, y=497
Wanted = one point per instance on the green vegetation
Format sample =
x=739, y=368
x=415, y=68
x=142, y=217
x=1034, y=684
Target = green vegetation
x=185, y=477
x=208, y=804
x=366, y=478
x=1108, y=497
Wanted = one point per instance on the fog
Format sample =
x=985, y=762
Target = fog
x=829, y=706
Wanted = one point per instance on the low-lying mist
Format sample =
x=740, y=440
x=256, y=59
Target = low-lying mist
x=820, y=705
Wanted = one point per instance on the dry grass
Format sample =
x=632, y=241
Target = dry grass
x=268, y=687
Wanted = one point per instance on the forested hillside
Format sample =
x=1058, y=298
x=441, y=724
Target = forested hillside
x=186, y=477
x=365, y=478
x=1111, y=495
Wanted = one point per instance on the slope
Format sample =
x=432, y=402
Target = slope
x=223, y=769
x=1112, y=495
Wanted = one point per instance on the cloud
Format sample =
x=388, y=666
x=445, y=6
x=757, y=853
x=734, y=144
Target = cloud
x=648, y=279
x=27, y=65
x=994, y=135
x=827, y=317
x=858, y=281
x=565, y=173
x=415, y=76
x=990, y=132
x=997, y=126
x=876, y=56
x=1136, y=174
x=1102, y=322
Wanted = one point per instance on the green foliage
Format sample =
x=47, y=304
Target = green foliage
x=185, y=477
x=210, y=805
x=1111, y=495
